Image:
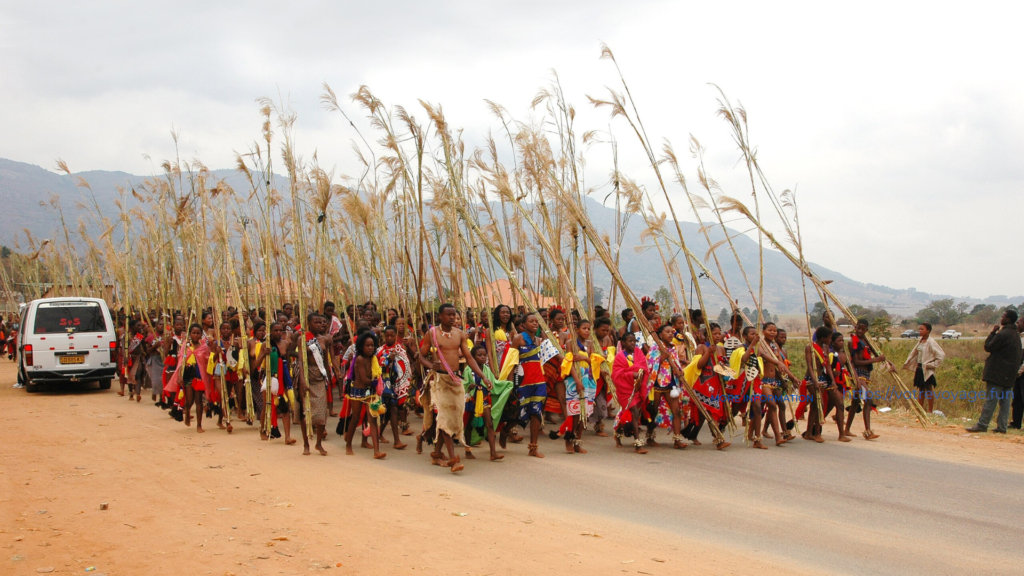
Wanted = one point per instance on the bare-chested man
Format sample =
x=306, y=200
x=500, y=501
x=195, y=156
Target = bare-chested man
x=441, y=352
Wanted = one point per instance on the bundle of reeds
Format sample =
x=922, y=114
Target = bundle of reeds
x=406, y=231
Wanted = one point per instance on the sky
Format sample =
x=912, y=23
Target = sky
x=898, y=124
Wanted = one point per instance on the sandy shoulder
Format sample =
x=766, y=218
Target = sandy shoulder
x=947, y=441
x=187, y=503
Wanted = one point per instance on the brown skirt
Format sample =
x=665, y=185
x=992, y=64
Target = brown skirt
x=449, y=398
x=317, y=391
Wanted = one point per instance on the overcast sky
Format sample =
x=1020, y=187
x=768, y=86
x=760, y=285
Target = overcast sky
x=899, y=125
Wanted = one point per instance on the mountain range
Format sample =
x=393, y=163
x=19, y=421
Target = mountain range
x=25, y=190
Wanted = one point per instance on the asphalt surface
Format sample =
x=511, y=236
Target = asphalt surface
x=839, y=508
x=855, y=508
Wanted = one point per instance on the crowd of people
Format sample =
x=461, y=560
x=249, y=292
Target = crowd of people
x=508, y=376
x=9, y=335
x=512, y=376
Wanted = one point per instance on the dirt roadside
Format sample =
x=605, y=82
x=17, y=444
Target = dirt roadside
x=186, y=503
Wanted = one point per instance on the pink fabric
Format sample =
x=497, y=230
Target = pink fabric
x=202, y=354
x=624, y=375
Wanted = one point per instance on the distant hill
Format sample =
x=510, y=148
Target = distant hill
x=24, y=186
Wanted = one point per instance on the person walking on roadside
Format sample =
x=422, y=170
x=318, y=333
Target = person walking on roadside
x=1018, y=386
x=1004, y=356
x=923, y=360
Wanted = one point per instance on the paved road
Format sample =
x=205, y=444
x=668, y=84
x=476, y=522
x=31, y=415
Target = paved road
x=853, y=508
x=848, y=509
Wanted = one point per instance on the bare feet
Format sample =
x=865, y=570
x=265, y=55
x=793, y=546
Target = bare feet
x=305, y=450
x=722, y=445
x=679, y=445
x=348, y=450
x=641, y=450
x=438, y=459
x=845, y=438
x=817, y=439
x=469, y=455
x=652, y=443
x=399, y=445
x=601, y=434
x=264, y=436
x=515, y=438
x=419, y=444
x=379, y=455
x=406, y=432
x=456, y=465
x=695, y=442
x=869, y=435
x=200, y=429
x=495, y=456
x=321, y=450
x=568, y=447
x=230, y=429
x=618, y=442
x=138, y=398
x=781, y=442
x=290, y=441
x=220, y=425
x=757, y=444
x=383, y=440
x=580, y=450
x=121, y=393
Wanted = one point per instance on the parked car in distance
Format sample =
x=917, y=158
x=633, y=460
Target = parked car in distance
x=909, y=334
x=950, y=335
x=66, y=340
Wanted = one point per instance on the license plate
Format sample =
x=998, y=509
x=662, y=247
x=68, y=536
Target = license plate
x=72, y=359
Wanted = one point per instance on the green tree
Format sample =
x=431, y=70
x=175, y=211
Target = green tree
x=816, y=313
x=664, y=299
x=5, y=252
x=869, y=313
x=723, y=318
x=598, y=299
x=983, y=313
x=879, y=328
x=598, y=296
x=942, y=311
x=961, y=311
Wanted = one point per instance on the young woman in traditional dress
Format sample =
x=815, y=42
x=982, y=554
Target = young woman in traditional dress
x=630, y=375
x=532, y=392
x=667, y=372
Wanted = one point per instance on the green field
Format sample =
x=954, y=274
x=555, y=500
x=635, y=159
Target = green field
x=958, y=377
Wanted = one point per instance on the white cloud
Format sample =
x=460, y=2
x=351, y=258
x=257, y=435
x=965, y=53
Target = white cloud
x=899, y=124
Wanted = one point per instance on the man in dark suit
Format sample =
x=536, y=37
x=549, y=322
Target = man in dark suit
x=1018, y=386
x=1004, y=356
